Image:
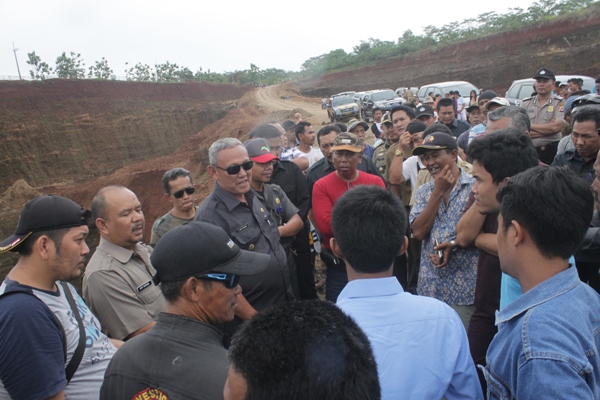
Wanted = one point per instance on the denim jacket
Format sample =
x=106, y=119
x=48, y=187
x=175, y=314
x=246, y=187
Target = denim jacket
x=547, y=343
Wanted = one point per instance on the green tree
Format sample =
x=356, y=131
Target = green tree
x=166, y=72
x=100, y=70
x=70, y=67
x=140, y=72
x=40, y=70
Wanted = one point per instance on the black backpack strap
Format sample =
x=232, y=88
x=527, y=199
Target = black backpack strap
x=78, y=355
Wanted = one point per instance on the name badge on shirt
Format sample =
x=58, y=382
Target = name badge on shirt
x=550, y=109
x=241, y=228
x=144, y=286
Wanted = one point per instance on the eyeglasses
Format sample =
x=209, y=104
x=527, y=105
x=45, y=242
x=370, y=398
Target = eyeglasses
x=229, y=280
x=235, y=169
x=179, y=194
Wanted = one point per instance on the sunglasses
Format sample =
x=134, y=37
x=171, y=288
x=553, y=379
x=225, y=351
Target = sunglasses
x=229, y=280
x=235, y=169
x=179, y=194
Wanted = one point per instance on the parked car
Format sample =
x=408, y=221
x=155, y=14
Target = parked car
x=341, y=107
x=441, y=88
x=523, y=88
x=349, y=94
x=382, y=99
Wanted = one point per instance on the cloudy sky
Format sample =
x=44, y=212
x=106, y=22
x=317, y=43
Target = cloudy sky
x=217, y=35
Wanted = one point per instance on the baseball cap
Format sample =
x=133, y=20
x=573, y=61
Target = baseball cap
x=436, y=141
x=195, y=248
x=424, y=110
x=347, y=141
x=386, y=118
x=353, y=123
x=46, y=213
x=428, y=100
x=259, y=150
x=545, y=73
x=501, y=101
x=488, y=94
x=288, y=124
x=473, y=107
x=415, y=127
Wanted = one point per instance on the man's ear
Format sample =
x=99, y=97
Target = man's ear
x=404, y=247
x=101, y=225
x=167, y=197
x=192, y=289
x=335, y=248
x=212, y=171
x=519, y=235
x=44, y=247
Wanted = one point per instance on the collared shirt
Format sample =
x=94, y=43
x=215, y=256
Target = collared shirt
x=544, y=114
x=457, y=127
x=118, y=288
x=455, y=283
x=323, y=168
x=252, y=228
x=288, y=176
x=379, y=157
x=179, y=358
x=419, y=343
x=547, y=343
x=583, y=168
x=164, y=224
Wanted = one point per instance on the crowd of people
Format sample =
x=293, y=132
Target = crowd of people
x=461, y=257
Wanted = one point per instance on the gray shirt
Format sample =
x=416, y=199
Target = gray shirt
x=252, y=227
x=179, y=358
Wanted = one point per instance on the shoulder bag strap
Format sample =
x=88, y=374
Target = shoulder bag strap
x=78, y=355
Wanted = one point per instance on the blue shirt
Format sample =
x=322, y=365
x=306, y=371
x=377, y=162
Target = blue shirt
x=420, y=344
x=547, y=343
x=455, y=283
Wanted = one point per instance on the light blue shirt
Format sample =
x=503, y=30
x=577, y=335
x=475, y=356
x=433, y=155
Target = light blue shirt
x=420, y=344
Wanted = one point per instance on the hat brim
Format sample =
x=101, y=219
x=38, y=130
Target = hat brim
x=364, y=125
x=471, y=108
x=425, y=113
x=347, y=147
x=246, y=263
x=12, y=242
x=264, y=158
x=417, y=151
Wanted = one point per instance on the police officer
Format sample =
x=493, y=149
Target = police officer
x=545, y=111
x=391, y=137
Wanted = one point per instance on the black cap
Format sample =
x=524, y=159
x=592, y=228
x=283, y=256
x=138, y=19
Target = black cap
x=288, y=124
x=424, y=110
x=545, y=73
x=46, y=213
x=488, y=94
x=473, y=107
x=415, y=127
x=196, y=248
x=436, y=141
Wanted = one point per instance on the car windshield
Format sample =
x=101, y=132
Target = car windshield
x=464, y=89
x=385, y=95
x=340, y=101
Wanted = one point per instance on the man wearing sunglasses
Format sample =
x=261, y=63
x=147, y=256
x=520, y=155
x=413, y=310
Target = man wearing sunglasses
x=179, y=191
x=198, y=267
x=235, y=207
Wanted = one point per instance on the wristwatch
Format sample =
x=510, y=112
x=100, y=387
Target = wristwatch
x=454, y=245
x=399, y=152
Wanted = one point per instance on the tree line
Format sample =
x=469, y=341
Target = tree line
x=374, y=50
x=72, y=66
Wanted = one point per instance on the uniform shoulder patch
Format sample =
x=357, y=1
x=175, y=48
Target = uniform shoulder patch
x=150, y=394
x=527, y=98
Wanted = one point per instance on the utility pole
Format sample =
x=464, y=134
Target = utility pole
x=17, y=61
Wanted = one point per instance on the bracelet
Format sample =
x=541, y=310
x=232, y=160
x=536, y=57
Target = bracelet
x=454, y=245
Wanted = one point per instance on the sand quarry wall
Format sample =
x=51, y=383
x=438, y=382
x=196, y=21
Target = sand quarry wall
x=567, y=45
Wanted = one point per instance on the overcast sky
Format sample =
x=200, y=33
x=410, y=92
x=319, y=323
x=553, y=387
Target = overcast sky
x=217, y=35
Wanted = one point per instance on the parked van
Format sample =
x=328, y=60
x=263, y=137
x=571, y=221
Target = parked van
x=441, y=88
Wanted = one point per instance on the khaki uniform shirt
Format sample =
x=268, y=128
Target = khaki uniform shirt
x=118, y=288
x=543, y=114
x=380, y=159
x=405, y=187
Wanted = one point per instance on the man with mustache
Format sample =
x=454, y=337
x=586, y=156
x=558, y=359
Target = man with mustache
x=179, y=191
x=117, y=285
x=235, y=206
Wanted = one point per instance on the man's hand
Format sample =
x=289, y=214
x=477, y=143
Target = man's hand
x=445, y=180
x=405, y=140
x=446, y=248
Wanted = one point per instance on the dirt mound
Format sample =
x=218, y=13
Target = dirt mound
x=566, y=45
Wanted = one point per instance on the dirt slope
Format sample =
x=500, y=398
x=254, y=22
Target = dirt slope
x=568, y=45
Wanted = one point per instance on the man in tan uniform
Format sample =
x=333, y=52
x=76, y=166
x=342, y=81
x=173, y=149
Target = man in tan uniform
x=546, y=114
x=391, y=137
x=117, y=285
